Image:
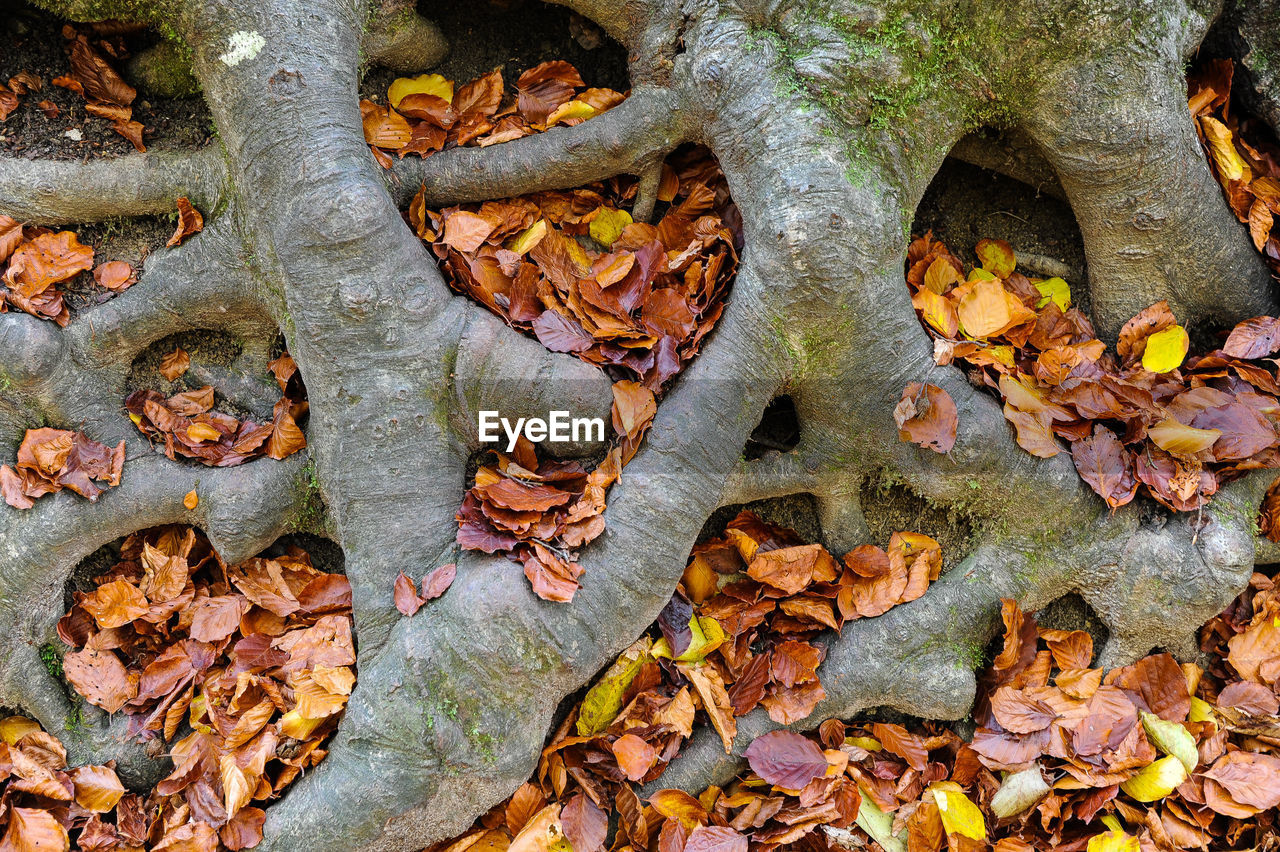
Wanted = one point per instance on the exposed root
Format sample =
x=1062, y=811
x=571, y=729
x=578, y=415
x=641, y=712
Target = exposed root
x=500, y=371
x=1154, y=222
x=624, y=140
x=53, y=192
x=1152, y=587
x=400, y=39
x=198, y=285
x=242, y=509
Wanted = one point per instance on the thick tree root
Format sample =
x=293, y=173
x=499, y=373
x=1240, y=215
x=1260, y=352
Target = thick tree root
x=58, y=192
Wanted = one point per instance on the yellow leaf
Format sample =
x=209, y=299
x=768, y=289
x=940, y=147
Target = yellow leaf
x=424, y=84
x=1201, y=711
x=959, y=814
x=202, y=432
x=1172, y=739
x=542, y=833
x=607, y=225
x=296, y=726
x=14, y=728
x=603, y=701
x=1054, y=290
x=1157, y=780
x=1223, y=148
x=570, y=110
x=1175, y=437
x=864, y=743
x=1166, y=349
x=1113, y=841
x=985, y=310
x=937, y=310
x=980, y=274
x=529, y=237
x=997, y=257
x=191, y=499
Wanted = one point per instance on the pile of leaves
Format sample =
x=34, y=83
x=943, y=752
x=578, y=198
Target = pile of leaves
x=106, y=94
x=50, y=460
x=573, y=269
x=1138, y=419
x=540, y=512
x=424, y=114
x=1151, y=756
x=1242, y=156
x=190, y=428
x=243, y=670
x=742, y=630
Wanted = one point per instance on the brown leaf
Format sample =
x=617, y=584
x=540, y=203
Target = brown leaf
x=1260, y=222
x=1253, y=338
x=927, y=416
x=115, y=275
x=98, y=788
x=34, y=830
x=792, y=569
x=715, y=838
x=189, y=222
x=635, y=756
x=1102, y=462
x=585, y=826
x=173, y=365
x=100, y=677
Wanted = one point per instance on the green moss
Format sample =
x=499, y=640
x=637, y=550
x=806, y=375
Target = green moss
x=312, y=514
x=52, y=660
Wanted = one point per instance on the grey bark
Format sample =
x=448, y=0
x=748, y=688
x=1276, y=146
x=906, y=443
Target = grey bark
x=452, y=705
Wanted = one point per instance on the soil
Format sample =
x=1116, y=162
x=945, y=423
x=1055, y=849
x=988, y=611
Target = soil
x=31, y=40
x=513, y=35
x=212, y=356
x=966, y=203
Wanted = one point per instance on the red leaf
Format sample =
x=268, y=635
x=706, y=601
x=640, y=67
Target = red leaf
x=786, y=759
x=406, y=595
x=438, y=581
x=1102, y=462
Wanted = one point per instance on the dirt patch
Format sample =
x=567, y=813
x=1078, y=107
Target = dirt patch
x=966, y=203
x=213, y=362
x=513, y=35
x=31, y=40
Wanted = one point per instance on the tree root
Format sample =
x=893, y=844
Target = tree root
x=52, y=192
x=1152, y=586
x=627, y=139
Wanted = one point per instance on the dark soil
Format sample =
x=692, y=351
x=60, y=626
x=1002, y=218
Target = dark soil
x=31, y=40
x=213, y=356
x=513, y=35
x=966, y=203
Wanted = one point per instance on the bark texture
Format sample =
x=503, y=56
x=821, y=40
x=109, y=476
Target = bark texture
x=829, y=119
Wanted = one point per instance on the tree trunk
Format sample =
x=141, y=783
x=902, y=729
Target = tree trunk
x=829, y=119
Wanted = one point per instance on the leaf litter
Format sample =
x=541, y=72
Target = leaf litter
x=239, y=673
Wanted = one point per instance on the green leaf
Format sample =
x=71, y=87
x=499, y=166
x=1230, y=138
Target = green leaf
x=604, y=700
x=1171, y=738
